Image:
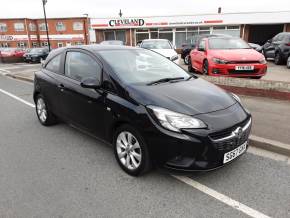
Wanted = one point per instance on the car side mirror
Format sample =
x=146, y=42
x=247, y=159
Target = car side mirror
x=269, y=41
x=91, y=83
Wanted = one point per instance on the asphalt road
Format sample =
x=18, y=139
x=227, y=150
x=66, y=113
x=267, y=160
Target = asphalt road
x=61, y=172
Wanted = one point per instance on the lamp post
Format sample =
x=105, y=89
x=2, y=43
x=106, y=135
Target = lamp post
x=87, y=31
x=43, y=5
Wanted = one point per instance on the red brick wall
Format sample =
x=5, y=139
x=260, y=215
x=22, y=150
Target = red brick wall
x=68, y=22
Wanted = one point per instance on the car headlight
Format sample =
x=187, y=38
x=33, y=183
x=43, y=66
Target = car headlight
x=219, y=61
x=176, y=121
x=174, y=58
x=263, y=61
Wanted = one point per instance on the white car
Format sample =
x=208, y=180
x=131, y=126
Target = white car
x=161, y=46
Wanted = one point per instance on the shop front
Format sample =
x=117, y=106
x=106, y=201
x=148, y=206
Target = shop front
x=178, y=29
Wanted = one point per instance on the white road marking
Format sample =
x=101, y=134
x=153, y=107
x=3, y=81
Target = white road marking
x=223, y=198
x=4, y=72
x=268, y=154
x=17, y=98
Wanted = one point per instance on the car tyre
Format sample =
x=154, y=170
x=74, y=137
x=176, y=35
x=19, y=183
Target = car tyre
x=256, y=77
x=288, y=62
x=131, y=151
x=189, y=67
x=186, y=59
x=205, y=67
x=278, y=59
x=45, y=116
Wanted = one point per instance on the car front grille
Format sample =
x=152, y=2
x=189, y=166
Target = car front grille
x=243, y=62
x=228, y=139
x=243, y=71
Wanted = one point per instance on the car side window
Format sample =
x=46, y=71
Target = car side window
x=53, y=64
x=80, y=66
x=201, y=45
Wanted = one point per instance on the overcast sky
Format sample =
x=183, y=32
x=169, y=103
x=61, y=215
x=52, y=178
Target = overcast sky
x=110, y=8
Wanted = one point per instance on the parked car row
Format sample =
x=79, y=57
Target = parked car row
x=35, y=55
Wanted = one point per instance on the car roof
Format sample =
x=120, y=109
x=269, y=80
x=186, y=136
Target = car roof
x=154, y=40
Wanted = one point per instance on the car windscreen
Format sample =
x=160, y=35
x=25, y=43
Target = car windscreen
x=138, y=66
x=112, y=43
x=158, y=44
x=37, y=50
x=227, y=43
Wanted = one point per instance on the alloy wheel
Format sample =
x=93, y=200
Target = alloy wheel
x=186, y=60
x=205, y=68
x=41, y=110
x=129, y=150
x=288, y=62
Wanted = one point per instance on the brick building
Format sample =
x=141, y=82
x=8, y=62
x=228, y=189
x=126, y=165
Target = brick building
x=256, y=27
x=28, y=33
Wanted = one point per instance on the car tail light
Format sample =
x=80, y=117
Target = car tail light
x=288, y=44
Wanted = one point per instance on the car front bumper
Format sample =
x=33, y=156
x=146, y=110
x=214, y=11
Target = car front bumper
x=230, y=70
x=200, y=149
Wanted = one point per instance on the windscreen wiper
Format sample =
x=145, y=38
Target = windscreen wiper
x=164, y=80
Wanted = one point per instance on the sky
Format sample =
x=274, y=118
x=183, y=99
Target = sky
x=131, y=8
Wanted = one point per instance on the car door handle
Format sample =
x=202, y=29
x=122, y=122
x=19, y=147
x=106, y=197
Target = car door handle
x=61, y=87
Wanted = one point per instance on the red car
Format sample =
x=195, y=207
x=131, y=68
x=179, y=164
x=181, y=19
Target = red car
x=12, y=52
x=227, y=56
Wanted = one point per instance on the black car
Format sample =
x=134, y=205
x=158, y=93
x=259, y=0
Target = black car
x=278, y=48
x=191, y=43
x=36, y=55
x=257, y=47
x=150, y=109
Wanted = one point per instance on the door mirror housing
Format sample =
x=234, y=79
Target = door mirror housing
x=91, y=83
x=269, y=41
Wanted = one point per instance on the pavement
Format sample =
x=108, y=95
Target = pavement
x=59, y=171
x=278, y=73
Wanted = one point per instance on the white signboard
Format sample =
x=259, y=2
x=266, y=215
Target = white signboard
x=193, y=20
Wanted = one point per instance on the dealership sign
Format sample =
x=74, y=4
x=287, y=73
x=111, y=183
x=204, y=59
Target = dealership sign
x=13, y=37
x=126, y=22
x=192, y=20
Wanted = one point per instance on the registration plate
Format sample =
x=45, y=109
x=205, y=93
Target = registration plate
x=231, y=155
x=244, y=68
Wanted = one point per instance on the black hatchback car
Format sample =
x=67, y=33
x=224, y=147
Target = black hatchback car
x=151, y=110
x=278, y=48
x=36, y=55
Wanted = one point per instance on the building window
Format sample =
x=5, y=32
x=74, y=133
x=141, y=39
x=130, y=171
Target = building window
x=19, y=27
x=42, y=27
x=79, y=43
x=21, y=44
x=32, y=27
x=3, y=27
x=44, y=44
x=60, y=44
x=115, y=35
x=34, y=44
x=78, y=26
x=60, y=26
x=4, y=45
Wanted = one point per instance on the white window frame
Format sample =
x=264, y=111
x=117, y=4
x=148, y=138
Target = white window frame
x=32, y=27
x=34, y=44
x=78, y=26
x=42, y=27
x=21, y=44
x=60, y=43
x=58, y=25
x=3, y=27
x=17, y=25
x=43, y=44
